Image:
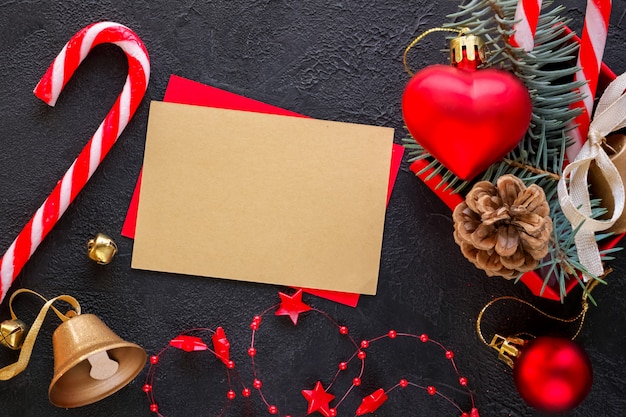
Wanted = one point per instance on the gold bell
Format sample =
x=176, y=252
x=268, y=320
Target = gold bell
x=90, y=362
x=12, y=333
x=101, y=249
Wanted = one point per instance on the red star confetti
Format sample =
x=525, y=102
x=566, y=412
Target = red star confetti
x=292, y=306
x=318, y=400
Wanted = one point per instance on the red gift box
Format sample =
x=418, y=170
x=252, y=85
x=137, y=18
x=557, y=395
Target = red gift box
x=533, y=279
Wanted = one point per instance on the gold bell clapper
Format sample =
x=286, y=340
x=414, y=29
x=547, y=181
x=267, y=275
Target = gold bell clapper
x=101, y=249
x=91, y=362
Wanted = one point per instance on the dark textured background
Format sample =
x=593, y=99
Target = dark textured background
x=336, y=60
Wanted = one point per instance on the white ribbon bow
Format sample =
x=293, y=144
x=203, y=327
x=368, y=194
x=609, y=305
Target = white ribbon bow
x=610, y=115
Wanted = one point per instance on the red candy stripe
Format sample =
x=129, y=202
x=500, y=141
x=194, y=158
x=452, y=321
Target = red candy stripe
x=589, y=60
x=48, y=90
x=527, y=15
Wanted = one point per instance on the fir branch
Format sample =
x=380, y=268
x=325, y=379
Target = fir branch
x=548, y=74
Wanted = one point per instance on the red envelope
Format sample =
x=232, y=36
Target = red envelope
x=183, y=91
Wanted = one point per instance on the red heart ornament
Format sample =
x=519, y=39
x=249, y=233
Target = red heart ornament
x=467, y=120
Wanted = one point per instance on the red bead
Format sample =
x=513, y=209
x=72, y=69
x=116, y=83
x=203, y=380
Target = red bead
x=154, y=360
x=356, y=381
x=254, y=325
x=257, y=319
x=392, y=334
x=154, y=408
x=553, y=374
x=257, y=384
x=449, y=354
x=424, y=337
x=343, y=366
x=147, y=388
x=231, y=395
x=403, y=383
x=272, y=409
x=245, y=392
x=230, y=365
x=463, y=381
x=465, y=415
x=364, y=344
x=251, y=352
x=332, y=412
x=343, y=330
x=431, y=390
x=361, y=355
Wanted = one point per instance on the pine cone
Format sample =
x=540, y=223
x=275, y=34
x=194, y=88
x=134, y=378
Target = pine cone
x=503, y=229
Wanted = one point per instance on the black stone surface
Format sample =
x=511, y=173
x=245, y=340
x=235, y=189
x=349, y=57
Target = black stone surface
x=336, y=60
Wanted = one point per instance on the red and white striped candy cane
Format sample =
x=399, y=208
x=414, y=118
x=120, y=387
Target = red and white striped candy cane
x=527, y=16
x=48, y=90
x=590, y=55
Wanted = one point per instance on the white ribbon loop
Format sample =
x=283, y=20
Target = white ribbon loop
x=610, y=115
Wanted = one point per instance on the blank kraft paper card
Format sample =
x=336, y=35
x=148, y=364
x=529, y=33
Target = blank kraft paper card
x=263, y=198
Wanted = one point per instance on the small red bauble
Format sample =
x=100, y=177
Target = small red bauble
x=553, y=374
x=464, y=118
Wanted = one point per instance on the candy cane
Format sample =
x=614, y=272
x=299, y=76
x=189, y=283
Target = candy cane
x=589, y=60
x=527, y=17
x=48, y=90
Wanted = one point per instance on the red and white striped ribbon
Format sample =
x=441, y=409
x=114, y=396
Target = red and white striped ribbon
x=48, y=90
x=527, y=17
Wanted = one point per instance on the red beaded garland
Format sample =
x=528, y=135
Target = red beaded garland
x=292, y=310
x=191, y=345
x=292, y=306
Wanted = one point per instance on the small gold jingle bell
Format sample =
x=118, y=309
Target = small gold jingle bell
x=101, y=249
x=13, y=333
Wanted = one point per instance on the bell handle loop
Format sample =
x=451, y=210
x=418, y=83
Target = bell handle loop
x=422, y=36
x=67, y=298
x=17, y=367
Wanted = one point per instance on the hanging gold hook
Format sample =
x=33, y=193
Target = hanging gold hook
x=422, y=36
x=508, y=347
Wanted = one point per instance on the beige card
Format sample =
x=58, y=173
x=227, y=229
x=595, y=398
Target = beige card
x=263, y=198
